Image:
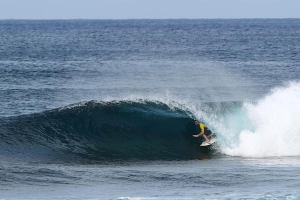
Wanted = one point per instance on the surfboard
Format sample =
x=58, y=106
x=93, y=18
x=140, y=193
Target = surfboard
x=204, y=144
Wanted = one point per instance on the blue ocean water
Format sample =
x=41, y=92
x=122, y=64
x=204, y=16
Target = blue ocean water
x=104, y=109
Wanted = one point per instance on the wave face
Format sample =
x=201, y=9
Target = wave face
x=105, y=130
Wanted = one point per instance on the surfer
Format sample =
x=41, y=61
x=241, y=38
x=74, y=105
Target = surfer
x=204, y=131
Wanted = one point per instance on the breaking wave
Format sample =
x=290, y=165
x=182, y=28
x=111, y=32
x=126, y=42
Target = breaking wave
x=144, y=129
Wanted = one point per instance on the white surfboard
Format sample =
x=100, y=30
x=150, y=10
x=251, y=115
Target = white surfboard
x=211, y=141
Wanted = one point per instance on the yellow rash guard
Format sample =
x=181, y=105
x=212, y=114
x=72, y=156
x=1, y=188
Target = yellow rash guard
x=202, y=127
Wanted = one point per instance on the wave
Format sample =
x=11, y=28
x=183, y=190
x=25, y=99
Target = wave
x=267, y=128
x=145, y=129
x=105, y=130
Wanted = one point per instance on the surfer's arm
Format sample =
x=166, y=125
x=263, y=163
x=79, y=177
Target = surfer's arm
x=201, y=133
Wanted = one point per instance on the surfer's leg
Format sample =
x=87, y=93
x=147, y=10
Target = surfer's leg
x=205, y=137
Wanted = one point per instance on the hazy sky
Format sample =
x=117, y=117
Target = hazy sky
x=150, y=9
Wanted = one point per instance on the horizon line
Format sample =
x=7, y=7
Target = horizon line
x=238, y=18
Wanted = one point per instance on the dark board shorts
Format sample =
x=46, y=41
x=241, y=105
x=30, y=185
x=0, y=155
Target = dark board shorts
x=207, y=132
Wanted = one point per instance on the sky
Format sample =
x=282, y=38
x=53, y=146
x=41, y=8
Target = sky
x=148, y=9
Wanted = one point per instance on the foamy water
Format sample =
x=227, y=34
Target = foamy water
x=274, y=126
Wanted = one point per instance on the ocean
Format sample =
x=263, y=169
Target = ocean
x=105, y=109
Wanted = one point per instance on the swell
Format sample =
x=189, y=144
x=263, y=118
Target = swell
x=105, y=130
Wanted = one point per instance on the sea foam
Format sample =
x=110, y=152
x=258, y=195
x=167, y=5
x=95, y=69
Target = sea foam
x=273, y=126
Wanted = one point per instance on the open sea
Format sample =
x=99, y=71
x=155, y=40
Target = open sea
x=104, y=109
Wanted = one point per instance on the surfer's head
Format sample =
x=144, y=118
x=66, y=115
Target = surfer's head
x=196, y=122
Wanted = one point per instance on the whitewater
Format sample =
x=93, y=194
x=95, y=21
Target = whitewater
x=272, y=127
x=105, y=109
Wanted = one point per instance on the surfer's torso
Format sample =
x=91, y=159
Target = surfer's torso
x=203, y=127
